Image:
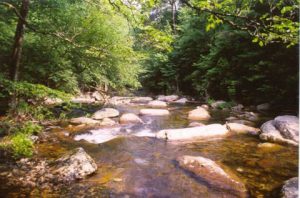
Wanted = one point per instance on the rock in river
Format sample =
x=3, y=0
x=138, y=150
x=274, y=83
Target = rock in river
x=141, y=99
x=199, y=114
x=283, y=129
x=169, y=98
x=157, y=104
x=74, y=165
x=128, y=118
x=241, y=128
x=84, y=120
x=208, y=131
x=181, y=101
x=290, y=188
x=209, y=172
x=105, y=113
x=154, y=112
x=218, y=104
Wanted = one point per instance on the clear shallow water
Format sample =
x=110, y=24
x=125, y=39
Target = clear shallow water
x=130, y=166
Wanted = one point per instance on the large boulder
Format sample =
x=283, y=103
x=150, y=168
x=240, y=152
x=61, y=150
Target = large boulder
x=290, y=188
x=213, y=175
x=157, y=104
x=74, y=165
x=154, y=112
x=84, y=120
x=218, y=104
x=241, y=128
x=128, y=118
x=105, y=113
x=141, y=99
x=199, y=114
x=202, y=132
x=169, y=98
x=283, y=129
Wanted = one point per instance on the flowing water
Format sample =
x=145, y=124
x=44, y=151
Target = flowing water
x=135, y=166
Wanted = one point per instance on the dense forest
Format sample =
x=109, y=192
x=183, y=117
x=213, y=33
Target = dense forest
x=240, y=51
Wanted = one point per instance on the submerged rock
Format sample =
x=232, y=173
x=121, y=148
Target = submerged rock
x=157, y=104
x=199, y=114
x=208, y=131
x=154, y=112
x=169, y=98
x=84, y=120
x=211, y=173
x=283, y=129
x=241, y=128
x=290, y=188
x=105, y=113
x=128, y=118
x=74, y=165
x=100, y=135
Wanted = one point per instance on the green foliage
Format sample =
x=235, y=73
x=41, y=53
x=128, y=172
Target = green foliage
x=18, y=142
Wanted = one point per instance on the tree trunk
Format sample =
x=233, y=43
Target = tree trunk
x=18, y=41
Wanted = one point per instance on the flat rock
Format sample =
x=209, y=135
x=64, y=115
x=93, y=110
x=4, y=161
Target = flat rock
x=98, y=136
x=74, y=165
x=202, y=132
x=128, y=118
x=105, y=113
x=199, y=114
x=141, y=99
x=154, y=112
x=290, y=188
x=283, y=129
x=211, y=173
x=52, y=101
x=169, y=98
x=84, y=120
x=241, y=128
x=157, y=104
x=83, y=100
x=181, y=101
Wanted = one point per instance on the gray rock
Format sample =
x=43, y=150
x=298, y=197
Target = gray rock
x=84, y=120
x=283, y=129
x=288, y=127
x=97, y=96
x=210, y=172
x=74, y=165
x=237, y=108
x=105, y=113
x=290, y=188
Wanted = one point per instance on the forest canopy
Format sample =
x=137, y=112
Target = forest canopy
x=231, y=49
